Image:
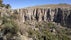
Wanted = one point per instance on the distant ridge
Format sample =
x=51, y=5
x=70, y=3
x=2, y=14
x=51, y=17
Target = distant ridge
x=52, y=6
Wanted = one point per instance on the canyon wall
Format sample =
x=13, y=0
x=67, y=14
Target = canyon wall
x=58, y=14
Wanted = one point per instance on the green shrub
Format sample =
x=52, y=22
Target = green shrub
x=10, y=28
x=9, y=25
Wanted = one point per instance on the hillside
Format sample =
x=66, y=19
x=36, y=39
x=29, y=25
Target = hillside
x=51, y=6
x=44, y=22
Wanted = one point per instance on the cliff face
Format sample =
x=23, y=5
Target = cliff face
x=54, y=13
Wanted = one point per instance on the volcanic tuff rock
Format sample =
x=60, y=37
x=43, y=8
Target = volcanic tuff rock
x=60, y=13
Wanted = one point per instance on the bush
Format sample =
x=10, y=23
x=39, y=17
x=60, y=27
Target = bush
x=9, y=25
x=10, y=28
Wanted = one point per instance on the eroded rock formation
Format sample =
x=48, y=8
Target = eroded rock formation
x=59, y=14
x=55, y=13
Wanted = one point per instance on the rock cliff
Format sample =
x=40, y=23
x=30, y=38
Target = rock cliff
x=60, y=14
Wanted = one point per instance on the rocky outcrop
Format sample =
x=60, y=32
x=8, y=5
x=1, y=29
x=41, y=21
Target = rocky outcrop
x=55, y=13
x=4, y=11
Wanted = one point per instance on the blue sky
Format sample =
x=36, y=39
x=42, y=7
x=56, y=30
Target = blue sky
x=26, y=3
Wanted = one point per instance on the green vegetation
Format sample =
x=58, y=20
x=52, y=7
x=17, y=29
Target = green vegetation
x=0, y=2
x=3, y=5
x=9, y=24
x=8, y=27
x=46, y=32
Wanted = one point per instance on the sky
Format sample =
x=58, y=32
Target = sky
x=27, y=3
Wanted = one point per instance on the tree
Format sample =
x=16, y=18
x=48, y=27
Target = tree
x=8, y=6
x=0, y=3
x=3, y=5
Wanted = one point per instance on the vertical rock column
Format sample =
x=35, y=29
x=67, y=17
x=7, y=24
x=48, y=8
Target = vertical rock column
x=40, y=15
x=64, y=16
x=45, y=13
x=26, y=14
x=22, y=15
x=52, y=14
x=34, y=14
x=58, y=16
x=48, y=15
x=30, y=14
x=55, y=15
x=68, y=19
x=65, y=12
